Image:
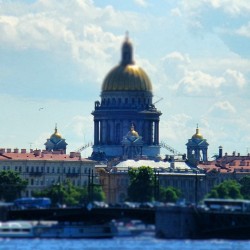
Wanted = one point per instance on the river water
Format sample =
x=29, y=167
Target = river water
x=140, y=243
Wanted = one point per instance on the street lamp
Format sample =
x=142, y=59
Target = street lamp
x=196, y=187
x=197, y=179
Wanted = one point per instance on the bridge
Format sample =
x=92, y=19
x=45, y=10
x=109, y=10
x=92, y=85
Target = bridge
x=95, y=215
x=171, y=222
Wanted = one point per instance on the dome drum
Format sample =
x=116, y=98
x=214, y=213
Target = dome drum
x=126, y=99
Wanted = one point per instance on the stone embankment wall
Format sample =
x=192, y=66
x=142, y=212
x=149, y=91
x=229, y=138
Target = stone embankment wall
x=175, y=223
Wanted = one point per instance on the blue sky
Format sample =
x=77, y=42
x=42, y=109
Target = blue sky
x=54, y=55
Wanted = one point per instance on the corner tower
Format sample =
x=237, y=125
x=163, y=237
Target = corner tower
x=56, y=142
x=197, y=147
x=126, y=98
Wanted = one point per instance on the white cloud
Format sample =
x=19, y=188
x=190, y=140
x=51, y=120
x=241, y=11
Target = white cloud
x=244, y=30
x=176, y=56
x=222, y=108
x=142, y=3
x=76, y=30
x=81, y=126
x=232, y=7
x=199, y=83
x=175, y=128
x=235, y=78
x=174, y=65
x=176, y=12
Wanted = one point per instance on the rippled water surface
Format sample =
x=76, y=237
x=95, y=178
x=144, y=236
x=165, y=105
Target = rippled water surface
x=122, y=243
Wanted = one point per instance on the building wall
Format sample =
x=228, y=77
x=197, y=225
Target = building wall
x=193, y=186
x=43, y=173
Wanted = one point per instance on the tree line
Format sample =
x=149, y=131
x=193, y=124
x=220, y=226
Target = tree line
x=143, y=186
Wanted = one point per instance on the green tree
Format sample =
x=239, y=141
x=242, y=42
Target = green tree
x=245, y=187
x=69, y=194
x=11, y=185
x=98, y=194
x=169, y=194
x=229, y=189
x=142, y=184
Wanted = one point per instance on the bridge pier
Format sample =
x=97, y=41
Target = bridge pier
x=175, y=223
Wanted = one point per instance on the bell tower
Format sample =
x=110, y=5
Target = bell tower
x=197, y=147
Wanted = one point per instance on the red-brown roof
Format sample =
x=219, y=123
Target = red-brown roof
x=236, y=164
x=42, y=156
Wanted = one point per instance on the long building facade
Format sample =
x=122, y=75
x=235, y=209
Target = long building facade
x=42, y=168
x=126, y=100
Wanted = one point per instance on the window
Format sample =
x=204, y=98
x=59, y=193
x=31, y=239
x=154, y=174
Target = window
x=47, y=169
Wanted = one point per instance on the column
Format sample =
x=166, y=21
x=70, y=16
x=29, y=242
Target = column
x=96, y=133
x=103, y=132
x=156, y=132
x=112, y=131
x=150, y=132
x=204, y=154
x=145, y=132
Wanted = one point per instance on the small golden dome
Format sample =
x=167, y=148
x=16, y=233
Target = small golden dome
x=197, y=135
x=132, y=132
x=127, y=76
x=56, y=134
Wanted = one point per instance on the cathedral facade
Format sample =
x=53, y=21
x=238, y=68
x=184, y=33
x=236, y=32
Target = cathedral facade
x=126, y=100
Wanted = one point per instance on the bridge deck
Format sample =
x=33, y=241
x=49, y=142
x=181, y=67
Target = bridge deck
x=99, y=215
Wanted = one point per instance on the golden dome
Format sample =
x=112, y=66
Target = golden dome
x=127, y=76
x=56, y=135
x=197, y=135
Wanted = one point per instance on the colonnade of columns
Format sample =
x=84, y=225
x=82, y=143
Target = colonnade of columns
x=196, y=152
x=112, y=131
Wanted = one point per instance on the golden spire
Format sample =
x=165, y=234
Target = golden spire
x=126, y=36
x=56, y=134
x=127, y=51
